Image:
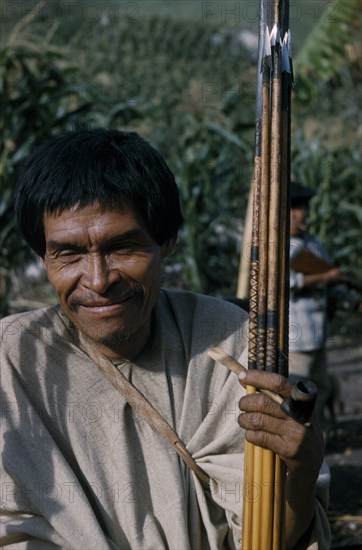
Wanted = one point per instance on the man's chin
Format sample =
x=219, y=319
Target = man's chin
x=110, y=340
x=113, y=337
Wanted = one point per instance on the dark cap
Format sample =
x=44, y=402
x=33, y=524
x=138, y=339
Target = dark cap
x=300, y=192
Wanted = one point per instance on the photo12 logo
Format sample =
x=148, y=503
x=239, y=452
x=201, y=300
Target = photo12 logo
x=248, y=11
x=70, y=11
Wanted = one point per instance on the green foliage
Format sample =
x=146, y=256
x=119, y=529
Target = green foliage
x=326, y=144
x=324, y=53
x=213, y=168
x=336, y=209
x=180, y=84
x=37, y=101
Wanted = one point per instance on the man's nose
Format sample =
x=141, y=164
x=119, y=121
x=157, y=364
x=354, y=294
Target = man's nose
x=100, y=275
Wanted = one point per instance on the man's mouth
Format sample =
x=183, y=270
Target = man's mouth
x=104, y=307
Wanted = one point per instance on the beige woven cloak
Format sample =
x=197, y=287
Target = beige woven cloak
x=81, y=470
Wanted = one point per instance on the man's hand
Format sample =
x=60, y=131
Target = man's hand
x=333, y=275
x=330, y=277
x=266, y=425
x=300, y=447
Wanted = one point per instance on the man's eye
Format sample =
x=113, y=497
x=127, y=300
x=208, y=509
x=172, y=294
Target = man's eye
x=68, y=253
x=125, y=247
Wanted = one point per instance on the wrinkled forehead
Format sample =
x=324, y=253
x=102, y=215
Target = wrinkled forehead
x=94, y=222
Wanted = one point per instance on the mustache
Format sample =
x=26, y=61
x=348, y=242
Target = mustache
x=92, y=300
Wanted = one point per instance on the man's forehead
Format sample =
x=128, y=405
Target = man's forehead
x=94, y=218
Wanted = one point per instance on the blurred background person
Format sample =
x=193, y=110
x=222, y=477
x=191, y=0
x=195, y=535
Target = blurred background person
x=315, y=283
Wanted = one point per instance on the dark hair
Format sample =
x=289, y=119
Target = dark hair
x=82, y=167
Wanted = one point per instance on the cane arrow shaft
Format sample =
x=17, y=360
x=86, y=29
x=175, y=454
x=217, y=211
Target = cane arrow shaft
x=264, y=514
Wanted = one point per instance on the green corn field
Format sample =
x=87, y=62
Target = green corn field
x=188, y=86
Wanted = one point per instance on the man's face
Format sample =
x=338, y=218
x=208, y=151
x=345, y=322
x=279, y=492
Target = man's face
x=298, y=219
x=105, y=268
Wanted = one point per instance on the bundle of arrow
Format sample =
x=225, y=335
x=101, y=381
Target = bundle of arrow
x=264, y=473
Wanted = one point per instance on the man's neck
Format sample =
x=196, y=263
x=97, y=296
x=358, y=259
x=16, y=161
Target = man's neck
x=127, y=350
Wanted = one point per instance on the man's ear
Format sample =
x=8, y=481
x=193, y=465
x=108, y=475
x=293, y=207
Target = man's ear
x=167, y=248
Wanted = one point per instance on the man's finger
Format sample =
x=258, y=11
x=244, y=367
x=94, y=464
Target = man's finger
x=258, y=402
x=273, y=382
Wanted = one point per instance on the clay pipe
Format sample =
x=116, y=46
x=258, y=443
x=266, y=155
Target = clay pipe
x=299, y=406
